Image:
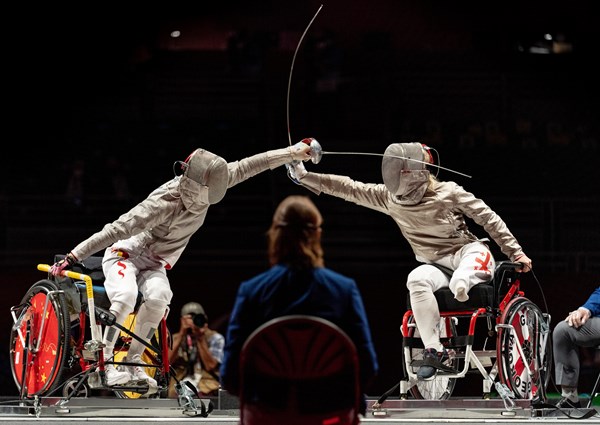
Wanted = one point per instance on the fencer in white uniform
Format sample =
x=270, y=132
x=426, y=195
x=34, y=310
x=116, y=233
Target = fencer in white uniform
x=431, y=216
x=142, y=244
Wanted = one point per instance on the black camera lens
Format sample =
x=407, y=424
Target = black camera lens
x=199, y=320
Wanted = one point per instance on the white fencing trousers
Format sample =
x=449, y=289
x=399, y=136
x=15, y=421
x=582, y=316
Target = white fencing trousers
x=471, y=265
x=124, y=277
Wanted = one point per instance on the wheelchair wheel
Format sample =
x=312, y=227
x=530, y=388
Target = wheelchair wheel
x=42, y=324
x=532, y=334
x=440, y=387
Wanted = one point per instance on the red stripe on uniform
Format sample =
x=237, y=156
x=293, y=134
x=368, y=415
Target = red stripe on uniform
x=484, y=262
x=123, y=267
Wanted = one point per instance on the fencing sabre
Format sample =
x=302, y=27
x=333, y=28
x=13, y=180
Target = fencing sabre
x=316, y=151
x=292, y=71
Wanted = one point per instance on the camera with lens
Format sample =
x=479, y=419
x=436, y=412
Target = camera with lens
x=199, y=319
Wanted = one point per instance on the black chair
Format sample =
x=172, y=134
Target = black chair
x=299, y=369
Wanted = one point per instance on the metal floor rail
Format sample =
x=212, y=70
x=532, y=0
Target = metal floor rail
x=106, y=410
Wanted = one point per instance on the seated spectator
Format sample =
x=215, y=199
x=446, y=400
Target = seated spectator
x=581, y=328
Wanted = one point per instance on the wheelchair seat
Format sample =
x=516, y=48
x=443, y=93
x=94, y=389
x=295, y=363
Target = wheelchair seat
x=101, y=298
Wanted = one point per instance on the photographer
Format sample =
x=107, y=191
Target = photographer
x=197, y=352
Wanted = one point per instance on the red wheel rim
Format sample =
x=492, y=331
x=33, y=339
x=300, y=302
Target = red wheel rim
x=515, y=375
x=41, y=367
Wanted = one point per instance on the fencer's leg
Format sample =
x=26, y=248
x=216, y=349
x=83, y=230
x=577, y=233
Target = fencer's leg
x=567, y=343
x=472, y=264
x=121, y=288
x=157, y=295
x=155, y=287
x=111, y=333
x=113, y=375
x=147, y=320
x=422, y=282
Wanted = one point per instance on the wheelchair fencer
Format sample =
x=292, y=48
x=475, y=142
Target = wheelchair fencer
x=56, y=344
x=513, y=357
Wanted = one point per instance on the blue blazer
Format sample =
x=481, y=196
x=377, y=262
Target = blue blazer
x=280, y=291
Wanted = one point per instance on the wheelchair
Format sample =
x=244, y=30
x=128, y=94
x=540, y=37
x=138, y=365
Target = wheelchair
x=55, y=341
x=513, y=357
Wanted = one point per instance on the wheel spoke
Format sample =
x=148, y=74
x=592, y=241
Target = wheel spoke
x=47, y=333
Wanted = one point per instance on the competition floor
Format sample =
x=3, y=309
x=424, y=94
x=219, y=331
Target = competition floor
x=107, y=410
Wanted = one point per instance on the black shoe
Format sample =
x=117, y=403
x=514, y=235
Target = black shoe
x=565, y=403
x=432, y=361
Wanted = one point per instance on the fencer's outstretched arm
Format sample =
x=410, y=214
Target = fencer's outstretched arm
x=248, y=167
x=370, y=195
x=377, y=197
x=171, y=214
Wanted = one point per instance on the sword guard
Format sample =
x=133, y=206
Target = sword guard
x=316, y=151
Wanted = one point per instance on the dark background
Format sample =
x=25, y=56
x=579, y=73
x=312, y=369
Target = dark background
x=102, y=91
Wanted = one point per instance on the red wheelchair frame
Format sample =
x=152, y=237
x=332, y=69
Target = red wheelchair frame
x=55, y=345
x=519, y=364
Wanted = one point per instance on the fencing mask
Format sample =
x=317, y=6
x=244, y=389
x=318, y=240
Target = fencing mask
x=404, y=171
x=210, y=171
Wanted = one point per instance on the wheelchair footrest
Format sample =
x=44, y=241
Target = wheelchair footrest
x=437, y=365
x=138, y=386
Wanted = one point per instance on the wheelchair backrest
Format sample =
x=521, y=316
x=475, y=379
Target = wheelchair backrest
x=505, y=276
x=92, y=266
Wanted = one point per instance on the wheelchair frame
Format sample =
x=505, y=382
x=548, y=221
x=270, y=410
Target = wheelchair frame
x=50, y=336
x=519, y=365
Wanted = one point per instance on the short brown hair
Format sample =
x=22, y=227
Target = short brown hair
x=294, y=237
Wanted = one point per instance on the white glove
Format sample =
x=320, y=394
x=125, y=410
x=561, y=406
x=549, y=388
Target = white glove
x=300, y=151
x=296, y=171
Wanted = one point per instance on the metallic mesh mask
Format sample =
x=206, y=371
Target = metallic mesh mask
x=210, y=171
x=405, y=172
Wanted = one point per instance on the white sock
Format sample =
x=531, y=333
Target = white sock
x=427, y=318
